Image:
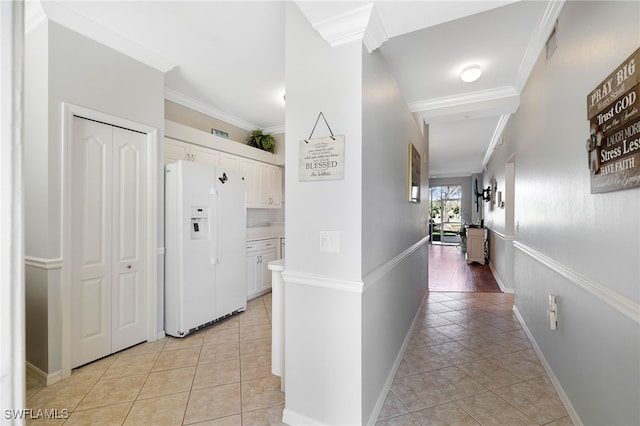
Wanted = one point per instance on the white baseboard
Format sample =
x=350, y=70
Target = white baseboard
x=44, y=378
x=292, y=418
x=575, y=419
x=499, y=280
x=396, y=365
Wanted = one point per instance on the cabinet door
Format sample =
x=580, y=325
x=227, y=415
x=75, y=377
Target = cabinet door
x=266, y=256
x=251, y=181
x=264, y=190
x=200, y=154
x=175, y=150
x=231, y=162
x=275, y=184
x=252, y=273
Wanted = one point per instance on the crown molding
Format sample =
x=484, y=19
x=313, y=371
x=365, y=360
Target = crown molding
x=538, y=42
x=464, y=99
x=177, y=97
x=345, y=27
x=375, y=33
x=65, y=16
x=33, y=15
x=497, y=134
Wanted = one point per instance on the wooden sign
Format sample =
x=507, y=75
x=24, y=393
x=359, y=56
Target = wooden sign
x=618, y=82
x=614, y=117
x=321, y=159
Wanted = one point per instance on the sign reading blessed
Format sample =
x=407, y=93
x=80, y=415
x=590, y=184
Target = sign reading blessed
x=613, y=110
x=321, y=159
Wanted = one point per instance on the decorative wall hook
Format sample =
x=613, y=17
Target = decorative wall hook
x=314, y=127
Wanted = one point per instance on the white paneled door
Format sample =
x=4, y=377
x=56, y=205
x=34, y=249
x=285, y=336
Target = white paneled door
x=108, y=247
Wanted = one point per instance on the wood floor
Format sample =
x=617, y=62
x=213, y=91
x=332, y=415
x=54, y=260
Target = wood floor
x=448, y=271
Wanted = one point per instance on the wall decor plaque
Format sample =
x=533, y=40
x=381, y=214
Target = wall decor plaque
x=613, y=147
x=321, y=159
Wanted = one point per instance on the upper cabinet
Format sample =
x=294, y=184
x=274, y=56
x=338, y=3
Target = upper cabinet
x=177, y=150
x=263, y=181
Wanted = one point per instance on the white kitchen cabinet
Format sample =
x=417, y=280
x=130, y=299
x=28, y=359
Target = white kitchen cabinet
x=269, y=186
x=263, y=181
x=175, y=150
x=259, y=254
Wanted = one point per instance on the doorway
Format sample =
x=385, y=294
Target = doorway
x=445, y=214
x=109, y=298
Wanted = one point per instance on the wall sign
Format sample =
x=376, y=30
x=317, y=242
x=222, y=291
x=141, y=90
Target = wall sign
x=613, y=110
x=321, y=159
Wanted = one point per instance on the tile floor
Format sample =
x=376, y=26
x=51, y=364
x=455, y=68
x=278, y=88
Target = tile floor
x=468, y=363
x=218, y=376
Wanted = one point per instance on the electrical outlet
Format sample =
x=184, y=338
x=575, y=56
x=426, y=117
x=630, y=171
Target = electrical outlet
x=250, y=222
x=553, y=312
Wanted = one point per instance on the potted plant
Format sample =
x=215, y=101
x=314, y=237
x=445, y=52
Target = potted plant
x=258, y=139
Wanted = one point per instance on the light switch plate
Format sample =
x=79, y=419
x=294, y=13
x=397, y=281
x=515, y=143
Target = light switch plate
x=329, y=242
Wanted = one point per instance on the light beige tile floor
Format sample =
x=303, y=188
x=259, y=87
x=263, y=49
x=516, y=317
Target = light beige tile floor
x=468, y=363
x=218, y=376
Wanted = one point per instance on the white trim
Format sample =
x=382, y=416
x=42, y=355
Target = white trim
x=573, y=414
x=290, y=417
x=504, y=288
x=396, y=365
x=41, y=376
x=322, y=281
x=346, y=27
x=161, y=251
x=497, y=134
x=464, y=99
x=375, y=34
x=501, y=235
x=40, y=263
x=617, y=301
x=70, y=18
x=12, y=282
x=538, y=41
x=68, y=111
x=373, y=276
x=196, y=105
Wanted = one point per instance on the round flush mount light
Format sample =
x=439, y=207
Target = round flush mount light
x=471, y=74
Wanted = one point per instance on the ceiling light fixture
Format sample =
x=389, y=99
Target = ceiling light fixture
x=471, y=74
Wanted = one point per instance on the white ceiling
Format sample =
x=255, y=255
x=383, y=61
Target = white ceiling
x=226, y=58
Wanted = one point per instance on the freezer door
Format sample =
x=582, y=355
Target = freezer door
x=230, y=237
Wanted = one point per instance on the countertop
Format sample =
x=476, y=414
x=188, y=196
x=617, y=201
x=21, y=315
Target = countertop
x=263, y=232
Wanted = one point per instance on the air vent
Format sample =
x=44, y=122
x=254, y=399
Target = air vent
x=552, y=42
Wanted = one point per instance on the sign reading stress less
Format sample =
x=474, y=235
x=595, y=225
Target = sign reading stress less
x=613, y=110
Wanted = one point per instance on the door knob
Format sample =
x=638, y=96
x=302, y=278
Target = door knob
x=128, y=266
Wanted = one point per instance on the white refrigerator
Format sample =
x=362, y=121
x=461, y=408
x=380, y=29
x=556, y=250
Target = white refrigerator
x=205, y=244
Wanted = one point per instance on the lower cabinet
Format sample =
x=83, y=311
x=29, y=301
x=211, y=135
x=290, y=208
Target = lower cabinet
x=259, y=254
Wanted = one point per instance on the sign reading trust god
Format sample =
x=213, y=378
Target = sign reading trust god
x=321, y=159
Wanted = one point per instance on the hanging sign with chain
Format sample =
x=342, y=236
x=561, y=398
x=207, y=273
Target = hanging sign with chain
x=321, y=158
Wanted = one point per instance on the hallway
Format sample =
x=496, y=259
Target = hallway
x=469, y=362
x=448, y=271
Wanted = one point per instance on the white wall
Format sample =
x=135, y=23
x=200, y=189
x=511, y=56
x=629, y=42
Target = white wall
x=341, y=345
x=579, y=246
x=64, y=66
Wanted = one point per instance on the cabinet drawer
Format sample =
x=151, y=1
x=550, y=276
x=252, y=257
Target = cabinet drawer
x=257, y=245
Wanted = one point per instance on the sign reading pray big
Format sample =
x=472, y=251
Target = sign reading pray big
x=613, y=110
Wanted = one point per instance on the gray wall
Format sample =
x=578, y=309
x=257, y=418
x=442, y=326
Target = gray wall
x=568, y=242
x=65, y=66
x=391, y=225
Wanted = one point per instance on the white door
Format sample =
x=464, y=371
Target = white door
x=108, y=278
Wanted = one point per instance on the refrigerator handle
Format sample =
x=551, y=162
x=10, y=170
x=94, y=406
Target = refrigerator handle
x=214, y=228
x=218, y=236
